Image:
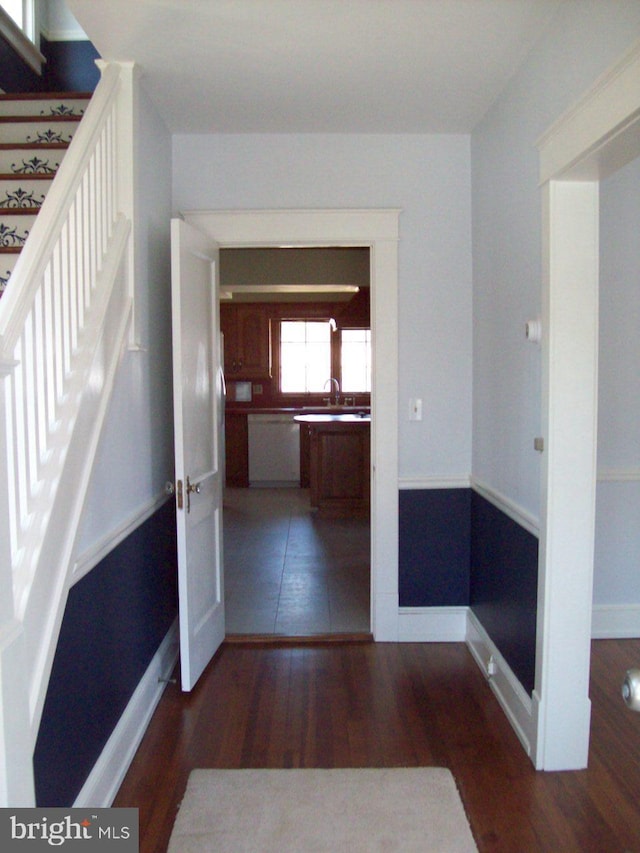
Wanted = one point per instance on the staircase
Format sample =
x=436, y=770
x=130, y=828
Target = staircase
x=67, y=243
x=35, y=132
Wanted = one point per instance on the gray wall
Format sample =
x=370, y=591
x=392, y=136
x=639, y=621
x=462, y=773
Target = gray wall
x=135, y=456
x=583, y=40
x=428, y=178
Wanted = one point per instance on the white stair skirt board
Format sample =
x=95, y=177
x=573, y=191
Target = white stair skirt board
x=110, y=769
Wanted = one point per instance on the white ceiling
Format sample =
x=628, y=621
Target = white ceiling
x=334, y=66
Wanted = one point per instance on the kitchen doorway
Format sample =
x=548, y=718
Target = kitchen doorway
x=377, y=229
x=297, y=331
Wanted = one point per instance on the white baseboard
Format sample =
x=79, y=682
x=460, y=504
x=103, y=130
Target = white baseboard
x=432, y=624
x=615, y=621
x=514, y=700
x=110, y=769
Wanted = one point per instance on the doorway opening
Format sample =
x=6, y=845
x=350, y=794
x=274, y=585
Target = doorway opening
x=296, y=325
x=376, y=230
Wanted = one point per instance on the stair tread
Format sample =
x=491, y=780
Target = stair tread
x=20, y=211
x=26, y=146
x=39, y=119
x=27, y=176
x=44, y=96
x=45, y=109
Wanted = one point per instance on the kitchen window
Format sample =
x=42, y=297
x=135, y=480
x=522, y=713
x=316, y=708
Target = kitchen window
x=355, y=360
x=312, y=351
x=305, y=356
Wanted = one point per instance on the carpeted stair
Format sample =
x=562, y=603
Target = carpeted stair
x=35, y=131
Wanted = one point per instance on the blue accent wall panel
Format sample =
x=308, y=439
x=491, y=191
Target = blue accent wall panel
x=114, y=621
x=504, y=585
x=15, y=74
x=434, y=555
x=71, y=66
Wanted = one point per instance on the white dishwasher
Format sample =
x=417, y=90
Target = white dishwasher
x=274, y=450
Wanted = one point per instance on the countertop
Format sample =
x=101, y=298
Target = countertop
x=333, y=417
x=235, y=409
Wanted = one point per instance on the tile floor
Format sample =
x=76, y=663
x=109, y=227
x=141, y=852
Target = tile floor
x=290, y=573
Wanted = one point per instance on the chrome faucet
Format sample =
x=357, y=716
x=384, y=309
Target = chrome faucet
x=336, y=387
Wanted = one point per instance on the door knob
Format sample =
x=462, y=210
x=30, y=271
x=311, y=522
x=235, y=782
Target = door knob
x=191, y=489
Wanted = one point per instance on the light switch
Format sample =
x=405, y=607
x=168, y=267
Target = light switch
x=415, y=409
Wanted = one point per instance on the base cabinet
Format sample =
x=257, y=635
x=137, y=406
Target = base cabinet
x=236, y=437
x=339, y=468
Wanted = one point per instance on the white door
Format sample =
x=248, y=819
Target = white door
x=198, y=407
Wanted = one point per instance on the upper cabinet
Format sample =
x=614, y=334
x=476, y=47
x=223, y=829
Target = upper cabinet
x=247, y=341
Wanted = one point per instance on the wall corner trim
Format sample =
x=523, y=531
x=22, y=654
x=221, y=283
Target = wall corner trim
x=103, y=782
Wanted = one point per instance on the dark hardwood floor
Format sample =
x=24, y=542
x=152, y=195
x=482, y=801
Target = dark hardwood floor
x=375, y=705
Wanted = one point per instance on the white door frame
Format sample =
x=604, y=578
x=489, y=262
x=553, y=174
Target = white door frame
x=591, y=141
x=376, y=229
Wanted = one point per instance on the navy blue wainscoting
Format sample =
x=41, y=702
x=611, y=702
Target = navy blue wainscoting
x=115, y=619
x=504, y=585
x=434, y=536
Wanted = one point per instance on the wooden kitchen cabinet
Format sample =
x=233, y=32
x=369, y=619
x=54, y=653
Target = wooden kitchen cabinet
x=236, y=437
x=305, y=456
x=247, y=341
x=339, y=459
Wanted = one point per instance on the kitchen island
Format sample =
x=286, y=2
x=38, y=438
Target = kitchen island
x=339, y=462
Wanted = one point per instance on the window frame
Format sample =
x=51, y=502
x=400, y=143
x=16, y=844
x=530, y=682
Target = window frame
x=335, y=356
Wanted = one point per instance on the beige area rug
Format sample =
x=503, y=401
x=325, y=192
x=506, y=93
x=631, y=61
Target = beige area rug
x=307, y=811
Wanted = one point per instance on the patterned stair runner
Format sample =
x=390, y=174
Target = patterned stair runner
x=35, y=131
